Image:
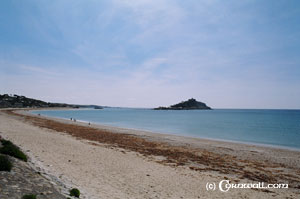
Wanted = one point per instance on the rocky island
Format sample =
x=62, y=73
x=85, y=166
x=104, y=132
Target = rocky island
x=190, y=104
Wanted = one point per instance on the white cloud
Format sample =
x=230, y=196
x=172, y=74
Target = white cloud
x=38, y=70
x=155, y=19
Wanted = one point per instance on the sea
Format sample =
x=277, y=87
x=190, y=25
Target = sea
x=278, y=128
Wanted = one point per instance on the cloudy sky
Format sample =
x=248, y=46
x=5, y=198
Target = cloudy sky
x=147, y=53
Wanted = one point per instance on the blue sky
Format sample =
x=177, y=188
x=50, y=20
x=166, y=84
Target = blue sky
x=147, y=53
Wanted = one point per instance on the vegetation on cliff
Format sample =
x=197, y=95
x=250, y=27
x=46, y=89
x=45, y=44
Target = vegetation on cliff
x=10, y=149
x=5, y=164
x=16, y=101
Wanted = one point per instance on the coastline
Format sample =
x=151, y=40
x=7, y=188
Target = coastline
x=184, y=141
x=161, y=136
x=216, y=161
x=182, y=137
x=179, y=133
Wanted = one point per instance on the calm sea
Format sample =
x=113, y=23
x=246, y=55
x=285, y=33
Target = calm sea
x=268, y=127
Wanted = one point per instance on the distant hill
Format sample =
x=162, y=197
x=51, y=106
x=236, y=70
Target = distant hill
x=190, y=104
x=16, y=101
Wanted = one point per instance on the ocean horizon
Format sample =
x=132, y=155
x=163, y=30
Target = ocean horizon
x=271, y=127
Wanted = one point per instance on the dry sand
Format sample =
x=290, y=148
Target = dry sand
x=101, y=168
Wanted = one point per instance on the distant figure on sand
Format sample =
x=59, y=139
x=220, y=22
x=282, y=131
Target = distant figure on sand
x=71, y=119
x=89, y=123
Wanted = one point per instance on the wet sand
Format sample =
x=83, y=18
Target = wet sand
x=110, y=162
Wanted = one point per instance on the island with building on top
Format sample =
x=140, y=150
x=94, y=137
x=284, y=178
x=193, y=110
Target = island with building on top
x=190, y=104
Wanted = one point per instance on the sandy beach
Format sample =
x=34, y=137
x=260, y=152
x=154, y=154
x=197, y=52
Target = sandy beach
x=110, y=162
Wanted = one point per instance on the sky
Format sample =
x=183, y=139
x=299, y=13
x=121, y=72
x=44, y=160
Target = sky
x=149, y=53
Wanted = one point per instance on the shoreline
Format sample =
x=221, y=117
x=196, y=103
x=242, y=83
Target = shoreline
x=180, y=141
x=128, y=155
x=150, y=132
